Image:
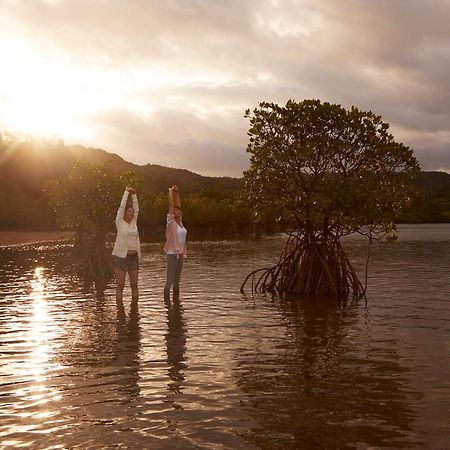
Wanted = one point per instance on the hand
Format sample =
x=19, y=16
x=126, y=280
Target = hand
x=175, y=188
x=131, y=190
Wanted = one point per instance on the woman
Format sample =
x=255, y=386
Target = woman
x=175, y=246
x=127, y=248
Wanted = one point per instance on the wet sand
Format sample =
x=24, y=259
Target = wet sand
x=8, y=238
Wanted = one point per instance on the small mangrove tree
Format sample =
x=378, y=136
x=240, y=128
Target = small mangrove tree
x=86, y=202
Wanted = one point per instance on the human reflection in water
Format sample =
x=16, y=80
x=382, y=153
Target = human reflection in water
x=331, y=384
x=176, y=347
x=127, y=349
x=103, y=356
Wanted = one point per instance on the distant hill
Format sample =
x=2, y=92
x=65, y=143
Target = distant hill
x=25, y=166
x=433, y=200
x=156, y=178
x=433, y=183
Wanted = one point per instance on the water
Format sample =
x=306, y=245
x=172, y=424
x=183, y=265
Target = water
x=222, y=370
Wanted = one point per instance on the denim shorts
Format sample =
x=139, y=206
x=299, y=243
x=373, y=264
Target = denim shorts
x=128, y=264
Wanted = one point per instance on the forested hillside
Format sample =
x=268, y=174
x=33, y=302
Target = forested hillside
x=209, y=202
x=26, y=166
x=432, y=202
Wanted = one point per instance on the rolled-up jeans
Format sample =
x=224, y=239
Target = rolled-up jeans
x=174, y=268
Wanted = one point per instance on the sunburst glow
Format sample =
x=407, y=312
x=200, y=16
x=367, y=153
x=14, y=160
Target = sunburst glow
x=42, y=97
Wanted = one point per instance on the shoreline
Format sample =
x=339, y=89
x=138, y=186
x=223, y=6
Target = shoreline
x=12, y=238
x=16, y=238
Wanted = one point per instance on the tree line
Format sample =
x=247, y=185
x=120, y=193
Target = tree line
x=212, y=205
x=46, y=185
x=89, y=196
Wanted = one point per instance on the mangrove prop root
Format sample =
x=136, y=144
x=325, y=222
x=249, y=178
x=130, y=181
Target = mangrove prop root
x=308, y=266
x=93, y=261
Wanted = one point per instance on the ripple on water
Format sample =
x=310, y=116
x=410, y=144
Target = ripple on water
x=223, y=370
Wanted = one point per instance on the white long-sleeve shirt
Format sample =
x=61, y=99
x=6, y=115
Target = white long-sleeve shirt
x=121, y=246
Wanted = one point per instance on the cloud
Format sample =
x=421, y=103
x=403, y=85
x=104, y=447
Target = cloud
x=176, y=139
x=168, y=82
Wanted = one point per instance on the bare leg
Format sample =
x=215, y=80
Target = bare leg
x=120, y=311
x=134, y=274
x=120, y=284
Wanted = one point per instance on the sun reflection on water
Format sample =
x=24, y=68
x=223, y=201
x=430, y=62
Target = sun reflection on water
x=40, y=328
x=78, y=371
x=41, y=341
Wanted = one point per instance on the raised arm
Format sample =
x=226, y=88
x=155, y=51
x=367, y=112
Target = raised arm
x=174, y=198
x=170, y=200
x=123, y=204
x=135, y=202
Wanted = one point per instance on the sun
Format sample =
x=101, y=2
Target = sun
x=39, y=96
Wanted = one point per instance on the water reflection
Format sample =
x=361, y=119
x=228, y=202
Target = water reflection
x=78, y=370
x=33, y=365
x=90, y=331
x=175, y=347
x=42, y=331
x=126, y=353
x=329, y=387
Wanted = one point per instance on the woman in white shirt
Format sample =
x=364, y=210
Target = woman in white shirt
x=127, y=248
x=175, y=246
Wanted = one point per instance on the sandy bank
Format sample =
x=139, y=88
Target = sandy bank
x=29, y=237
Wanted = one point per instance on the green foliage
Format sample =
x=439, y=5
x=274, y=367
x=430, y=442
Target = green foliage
x=18, y=209
x=131, y=179
x=199, y=213
x=153, y=210
x=86, y=200
x=325, y=169
x=26, y=164
x=432, y=202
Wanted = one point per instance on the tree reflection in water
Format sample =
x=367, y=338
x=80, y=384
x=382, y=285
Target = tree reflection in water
x=323, y=389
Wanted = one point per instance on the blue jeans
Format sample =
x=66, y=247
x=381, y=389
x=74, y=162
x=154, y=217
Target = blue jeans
x=174, y=268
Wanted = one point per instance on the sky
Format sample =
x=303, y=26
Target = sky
x=168, y=81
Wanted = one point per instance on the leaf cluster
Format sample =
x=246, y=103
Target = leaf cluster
x=326, y=169
x=86, y=200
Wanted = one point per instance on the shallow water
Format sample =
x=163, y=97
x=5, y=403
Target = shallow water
x=222, y=370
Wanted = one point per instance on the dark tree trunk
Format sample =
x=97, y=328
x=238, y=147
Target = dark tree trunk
x=93, y=257
x=308, y=265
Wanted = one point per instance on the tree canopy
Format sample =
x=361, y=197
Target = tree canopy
x=87, y=199
x=326, y=169
x=26, y=164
